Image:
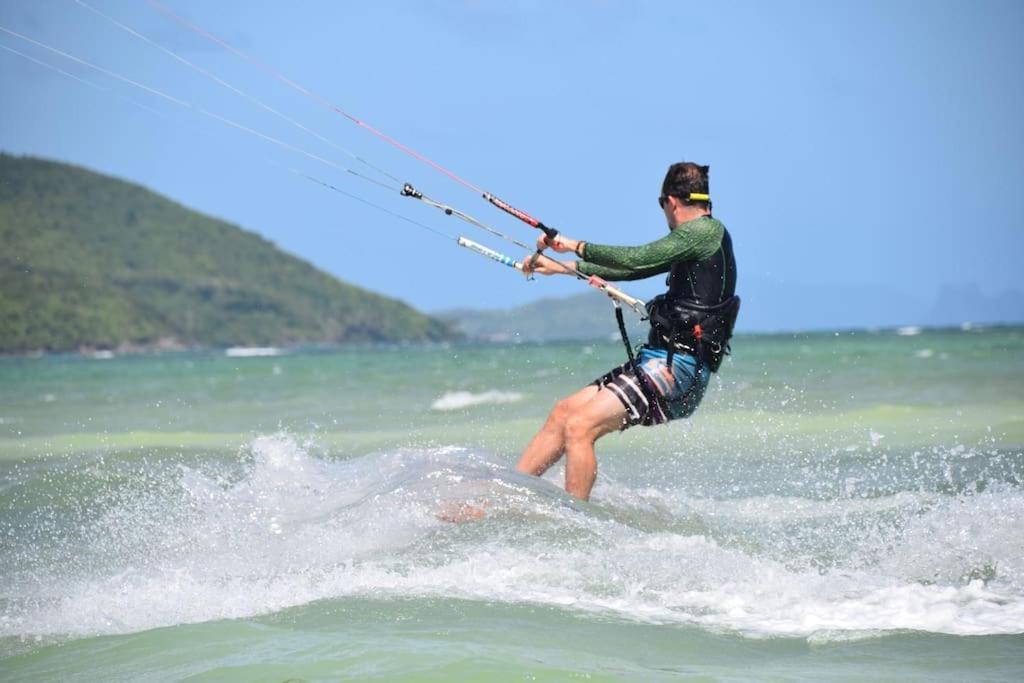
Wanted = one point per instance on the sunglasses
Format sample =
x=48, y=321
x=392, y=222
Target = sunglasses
x=661, y=201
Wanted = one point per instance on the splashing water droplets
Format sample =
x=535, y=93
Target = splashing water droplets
x=158, y=544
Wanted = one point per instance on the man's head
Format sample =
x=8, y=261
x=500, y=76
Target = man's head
x=684, y=193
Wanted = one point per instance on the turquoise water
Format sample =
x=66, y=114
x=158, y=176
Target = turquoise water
x=841, y=507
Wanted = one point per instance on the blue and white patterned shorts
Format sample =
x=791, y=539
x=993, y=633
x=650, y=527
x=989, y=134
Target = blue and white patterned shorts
x=677, y=393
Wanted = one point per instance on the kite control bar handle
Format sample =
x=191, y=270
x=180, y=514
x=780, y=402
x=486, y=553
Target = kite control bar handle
x=521, y=215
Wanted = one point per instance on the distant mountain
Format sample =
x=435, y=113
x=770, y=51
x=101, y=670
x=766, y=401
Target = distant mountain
x=589, y=315
x=767, y=307
x=967, y=303
x=771, y=306
x=89, y=261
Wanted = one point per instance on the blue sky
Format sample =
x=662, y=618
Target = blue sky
x=854, y=146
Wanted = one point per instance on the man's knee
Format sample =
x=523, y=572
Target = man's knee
x=580, y=428
x=561, y=412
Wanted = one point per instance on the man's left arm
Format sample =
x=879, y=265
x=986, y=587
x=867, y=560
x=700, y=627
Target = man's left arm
x=616, y=274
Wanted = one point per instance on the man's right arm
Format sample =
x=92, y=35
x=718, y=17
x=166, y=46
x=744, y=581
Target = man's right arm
x=694, y=241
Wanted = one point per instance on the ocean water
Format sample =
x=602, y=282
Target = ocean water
x=842, y=507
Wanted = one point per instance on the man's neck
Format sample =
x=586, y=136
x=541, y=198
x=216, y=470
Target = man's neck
x=687, y=214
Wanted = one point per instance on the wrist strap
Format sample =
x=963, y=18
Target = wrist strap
x=579, y=249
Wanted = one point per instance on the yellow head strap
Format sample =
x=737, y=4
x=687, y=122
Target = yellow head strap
x=699, y=197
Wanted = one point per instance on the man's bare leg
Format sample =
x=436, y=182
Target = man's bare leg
x=572, y=427
x=602, y=414
x=548, y=445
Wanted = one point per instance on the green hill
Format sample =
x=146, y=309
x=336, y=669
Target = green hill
x=588, y=315
x=89, y=261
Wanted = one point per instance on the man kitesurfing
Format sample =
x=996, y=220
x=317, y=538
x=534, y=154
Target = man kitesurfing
x=691, y=324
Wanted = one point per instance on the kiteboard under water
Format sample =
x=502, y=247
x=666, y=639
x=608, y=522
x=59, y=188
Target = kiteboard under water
x=458, y=513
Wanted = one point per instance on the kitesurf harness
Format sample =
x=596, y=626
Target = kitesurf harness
x=703, y=331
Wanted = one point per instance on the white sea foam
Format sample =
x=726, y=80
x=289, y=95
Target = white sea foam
x=457, y=400
x=292, y=528
x=252, y=351
x=763, y=509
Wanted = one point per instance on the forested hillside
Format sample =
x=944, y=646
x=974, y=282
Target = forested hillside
x=89, y=261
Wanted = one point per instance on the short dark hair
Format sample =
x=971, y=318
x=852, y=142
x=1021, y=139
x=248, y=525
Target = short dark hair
x=684, y=178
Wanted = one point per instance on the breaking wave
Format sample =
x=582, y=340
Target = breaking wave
x=184, y=544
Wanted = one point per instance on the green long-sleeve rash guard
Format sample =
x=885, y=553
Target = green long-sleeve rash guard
x=694, y=240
